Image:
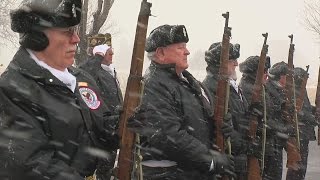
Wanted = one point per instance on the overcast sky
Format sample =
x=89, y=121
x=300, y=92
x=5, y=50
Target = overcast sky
x=204, y=23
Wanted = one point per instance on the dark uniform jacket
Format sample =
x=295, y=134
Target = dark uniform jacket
x=46, y=130
x=174, y=119
x=275, y=122
x=307, y=121
x=246, y=83
x=109, y=85
x=111, y=95
x=238, y=108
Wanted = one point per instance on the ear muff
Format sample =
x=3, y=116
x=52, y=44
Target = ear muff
x=22, y=21
x=35, y=40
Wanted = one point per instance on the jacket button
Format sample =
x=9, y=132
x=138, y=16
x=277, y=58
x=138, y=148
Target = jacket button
x=50, y=80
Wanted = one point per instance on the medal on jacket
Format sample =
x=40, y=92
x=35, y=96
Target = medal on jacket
x=89, y=96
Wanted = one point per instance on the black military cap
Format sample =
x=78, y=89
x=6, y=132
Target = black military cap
x=212, y=55
x=38, y=14
x=250, y=65
x=278, y=69
x=299, y=74
x=165, y=35
x=33, y=16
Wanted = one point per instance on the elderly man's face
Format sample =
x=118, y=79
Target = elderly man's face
x=232, y=64
x=62, y=47
x=283, y=80
x=176, y=54
x=108, y=57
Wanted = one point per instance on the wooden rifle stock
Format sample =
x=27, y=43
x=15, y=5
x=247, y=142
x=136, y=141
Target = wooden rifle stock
x=253, y=162
x=222, y=94
x=293, y=151
x=317, y=102
x=132, y=94
x=299, y=102
x=302, y=91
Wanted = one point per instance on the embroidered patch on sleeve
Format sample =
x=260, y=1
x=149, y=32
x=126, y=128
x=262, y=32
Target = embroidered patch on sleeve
x=89, y=97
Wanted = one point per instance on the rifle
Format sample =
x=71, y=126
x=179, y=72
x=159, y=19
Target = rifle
x=264, y=129
x=253, y=162
x=302, y=91
x=317, y=102
x=293, y=154
x=133, y=94
x=223, y=88
x=299, y=101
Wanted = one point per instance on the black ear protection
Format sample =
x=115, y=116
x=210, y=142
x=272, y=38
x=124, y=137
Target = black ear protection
x=36, y=41
x=24, y=23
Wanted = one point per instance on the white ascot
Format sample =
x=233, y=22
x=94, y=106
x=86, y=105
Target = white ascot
x=236, y=87
x=64, y=76
x=110, y=69
x=234, y=84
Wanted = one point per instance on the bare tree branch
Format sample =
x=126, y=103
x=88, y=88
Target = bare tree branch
x=311, y=18
x=100, y=15
x=91, y=25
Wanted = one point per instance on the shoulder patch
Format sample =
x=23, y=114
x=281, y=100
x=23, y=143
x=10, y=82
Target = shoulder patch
x=89, y=97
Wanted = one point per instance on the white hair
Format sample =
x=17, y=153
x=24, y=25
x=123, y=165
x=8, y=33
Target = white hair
x=151, y=56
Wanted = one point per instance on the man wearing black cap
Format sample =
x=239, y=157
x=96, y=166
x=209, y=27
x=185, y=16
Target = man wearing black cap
x=175, y=116
x=276, y=124
x=307, y=122
x=249, y=69
x=100, y=67
x=52, y=118
x=238, y=105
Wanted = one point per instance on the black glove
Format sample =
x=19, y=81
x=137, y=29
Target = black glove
x=227, y=127
x=118, y=109
x=256, y=109
x=254, y=148
x=290, y=130
x=237, y=142
x=313, y=109
x=284, y=131
x=223, y=164
x=112, y=118
x=111, y=122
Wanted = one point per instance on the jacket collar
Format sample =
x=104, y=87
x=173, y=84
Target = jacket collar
x=169, y=67
x=212, y=70
x=23, y=63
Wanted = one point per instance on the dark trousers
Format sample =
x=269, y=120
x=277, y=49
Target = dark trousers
x=173, y=173
x=273, y=165
x=241, y=166
x=301, y=172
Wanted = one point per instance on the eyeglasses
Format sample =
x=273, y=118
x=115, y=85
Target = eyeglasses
x=70, y=31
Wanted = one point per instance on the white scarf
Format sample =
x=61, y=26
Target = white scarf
x=64, y=76
x=235, y=86
x=110, y=69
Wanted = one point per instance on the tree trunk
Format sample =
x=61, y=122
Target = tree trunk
x=99, y=17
